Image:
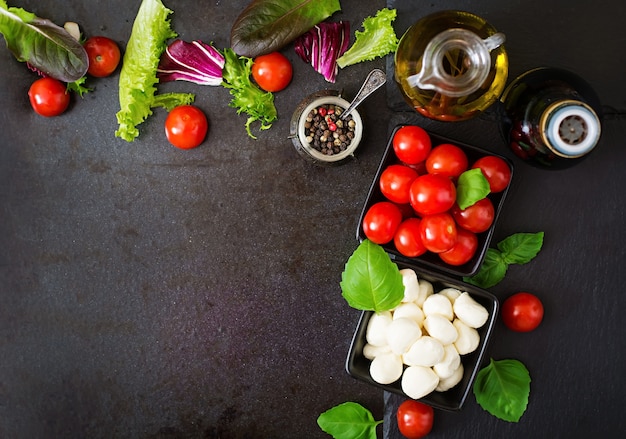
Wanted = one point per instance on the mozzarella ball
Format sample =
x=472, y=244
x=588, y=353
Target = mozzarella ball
x=426, y=351
x=370, y=351
x=468, y=339
x=386, y=368
x=449, y=364
x=401, y=334
x=376, y=332
x=411, y=285
x=452, y=380
x=426, y=289
x=409, y=310
x=438, y=304
x=470, y=312
x=440, y=328
x=419, y=381
x=450, y=293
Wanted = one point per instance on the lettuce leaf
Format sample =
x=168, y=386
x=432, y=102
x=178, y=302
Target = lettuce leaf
x=138, y=76
x=48, y=48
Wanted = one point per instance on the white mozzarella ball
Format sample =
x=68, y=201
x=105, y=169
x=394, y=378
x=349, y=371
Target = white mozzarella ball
x=370, y=351
x=449, y=364
x=426, y=351
x=411, y=285
x=409, y=310
x=438, y=304
x=419, y=381
x=440, y=328
x=452, y=380
x=426, y=289
x=470, y=312
x=376, y=332
x=468, y=339
x=450, y=293
x=401, y=334
x=386, y=368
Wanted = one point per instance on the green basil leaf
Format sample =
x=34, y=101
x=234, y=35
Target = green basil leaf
x=348, y=421
x=44, y=45
x=471, y=187
x=269, y=25
x=502, y=388
x=521, y=248
x=491, y=272
x=371, y=281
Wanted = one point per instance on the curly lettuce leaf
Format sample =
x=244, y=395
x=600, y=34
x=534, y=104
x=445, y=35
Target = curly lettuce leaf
x=46, y=47
x=377, y=39
x=138, y=76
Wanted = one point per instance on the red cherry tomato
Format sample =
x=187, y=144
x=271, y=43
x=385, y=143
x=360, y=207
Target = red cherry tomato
x=186, y=126
x=104, y=56
x=395, y=183
x=411, y=144
x=381, y=222
x=477, y=218
x=407, y=238
x=522, y=312
x=495, y=170
x=463, y=249
x=448, y=160
x=432, y=193
x=272, y=72
x=415, y=419
x=49, y=97
x=438, y=232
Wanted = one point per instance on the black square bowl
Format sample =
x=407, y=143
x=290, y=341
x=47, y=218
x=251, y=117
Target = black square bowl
x=432, y=260
x=358, y=366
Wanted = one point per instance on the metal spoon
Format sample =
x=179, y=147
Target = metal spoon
x=374, y=80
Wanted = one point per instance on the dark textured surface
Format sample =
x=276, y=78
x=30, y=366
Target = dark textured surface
x=149, y=292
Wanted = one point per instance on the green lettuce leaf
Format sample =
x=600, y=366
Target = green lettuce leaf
x=137, y=83
x=42, y=44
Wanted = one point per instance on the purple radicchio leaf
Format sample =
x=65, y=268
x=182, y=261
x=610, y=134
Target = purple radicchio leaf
x=322, y=45
x=194, y=62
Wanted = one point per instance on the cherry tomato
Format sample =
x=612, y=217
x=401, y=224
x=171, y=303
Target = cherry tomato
x=381, y=222
x=438, y=232
x=411, y=144
x=186, y=126
x=48, y=97
x=407, y=238
x=463, y=249
x=395, y=183
x=415, y=419
x=495, y=170
x=272, y=72
x=448, y=160
x=476, y=218
x=104, y=56
x=432, y=193
x=522, y=312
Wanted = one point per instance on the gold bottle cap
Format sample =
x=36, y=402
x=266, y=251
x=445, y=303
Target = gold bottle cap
x=570, y=128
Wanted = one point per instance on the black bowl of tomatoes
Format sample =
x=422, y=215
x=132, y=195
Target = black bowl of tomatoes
x=435, y=201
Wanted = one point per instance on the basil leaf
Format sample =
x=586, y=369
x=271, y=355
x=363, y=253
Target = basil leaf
x=521, y=248
x=371, y=281
x=348, y=421
x=502, y=388
x=44, y=45
x=471, y=187
x=269, y=25
x=491, y=272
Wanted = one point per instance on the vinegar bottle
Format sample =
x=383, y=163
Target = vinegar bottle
x=451, y=65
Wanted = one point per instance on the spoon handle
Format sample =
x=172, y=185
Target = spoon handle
x=374, y=80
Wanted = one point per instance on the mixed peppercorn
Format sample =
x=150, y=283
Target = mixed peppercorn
x=326, y=132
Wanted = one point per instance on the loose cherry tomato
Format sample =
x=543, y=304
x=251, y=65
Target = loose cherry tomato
x=186, y=126
x=495, y=170
x=432, y=193
x=438, y=232
x=272, y=72
x=415, y=419
x=463, y=249
x=447, y=159
x=104, y=56
x=407, y=238
x=411, y=144
x=522, y=312
x=381, y=222
x=49, y=97
x=476, y=218
x=395, y=183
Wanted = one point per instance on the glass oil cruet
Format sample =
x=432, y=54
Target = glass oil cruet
x=451, y=65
